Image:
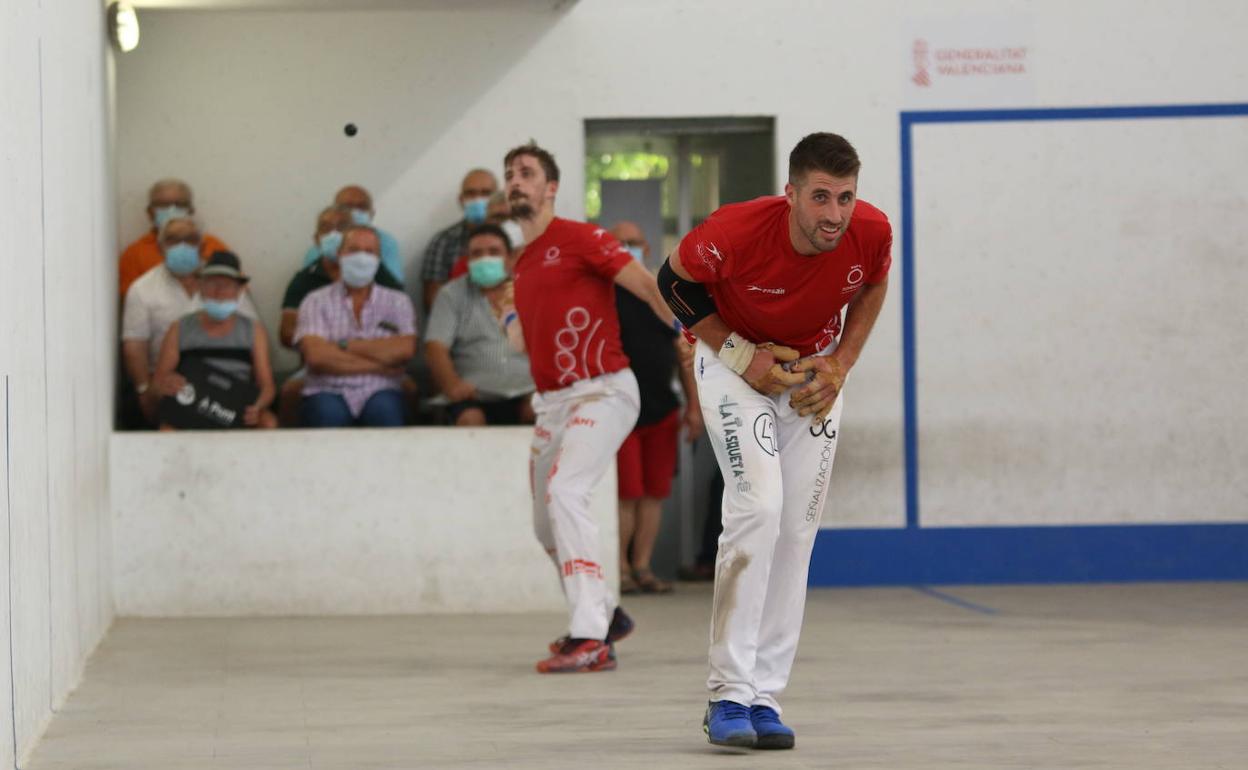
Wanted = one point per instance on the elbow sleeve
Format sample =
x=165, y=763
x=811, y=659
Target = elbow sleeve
x=689, y=300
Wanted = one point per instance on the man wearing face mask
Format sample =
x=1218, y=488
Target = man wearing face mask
x=486, y=380
x=222, y=339
x=356, y=338
x=447, y=246
x=326, y=239
x=358, y=204
x=158, y=299
x=167, y=199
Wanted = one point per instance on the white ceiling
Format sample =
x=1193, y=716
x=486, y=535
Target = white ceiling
x=354, y=5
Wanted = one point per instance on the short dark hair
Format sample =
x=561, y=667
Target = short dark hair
x=543, y=157
x=488, y=229
x=829, y=153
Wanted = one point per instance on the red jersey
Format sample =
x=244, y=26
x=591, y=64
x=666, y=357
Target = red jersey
x=765, y=290
x=565, y=295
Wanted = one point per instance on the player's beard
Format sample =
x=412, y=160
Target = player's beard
x=818, y=240
x=521, y=208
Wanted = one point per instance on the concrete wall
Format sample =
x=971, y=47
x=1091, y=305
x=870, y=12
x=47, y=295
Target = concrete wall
x=341, y=522
x=56, y=356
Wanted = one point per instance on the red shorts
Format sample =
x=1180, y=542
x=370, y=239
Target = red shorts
x=646, y=461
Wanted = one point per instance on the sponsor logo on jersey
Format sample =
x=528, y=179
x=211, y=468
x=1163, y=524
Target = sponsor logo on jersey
x=552, y=257
x=709, y=253
x=731, y=424
x=854, y=279
x=765, y=290
x=765, y=433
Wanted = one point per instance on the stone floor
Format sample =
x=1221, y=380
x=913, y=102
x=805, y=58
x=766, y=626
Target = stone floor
x=1138, y=676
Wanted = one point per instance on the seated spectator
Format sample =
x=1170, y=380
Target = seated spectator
x=222, y=339
x=499, y=213
x=167, y=199
x=448, y=244
x=356, y=337
x=359, y=206
x=646, y=461
x=326, y=238
x=484, y=378
x=158, y=299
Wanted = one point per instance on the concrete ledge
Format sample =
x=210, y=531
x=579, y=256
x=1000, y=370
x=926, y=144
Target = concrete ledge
x=333, y=522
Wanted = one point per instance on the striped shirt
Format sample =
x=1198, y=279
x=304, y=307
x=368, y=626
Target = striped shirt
x=327, y=313
x=463, y=321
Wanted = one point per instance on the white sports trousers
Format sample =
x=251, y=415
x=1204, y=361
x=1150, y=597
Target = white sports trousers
x=776, y=466
x=578, y=432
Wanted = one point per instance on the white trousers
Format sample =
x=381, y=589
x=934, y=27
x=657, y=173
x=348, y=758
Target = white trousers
x=776, y=466
x=578, y=432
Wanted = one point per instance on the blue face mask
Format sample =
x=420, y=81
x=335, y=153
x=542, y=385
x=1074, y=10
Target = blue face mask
x=182, y=258
x=163, y=214
x=474, y=210
x=487, y=272
x=219, y=310
x=328, y=245
x=637, y=253
x=361, y=217
x=358, y=268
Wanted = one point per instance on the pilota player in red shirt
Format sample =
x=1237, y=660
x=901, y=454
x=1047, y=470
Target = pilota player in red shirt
x=762, y=285
x=563, y=314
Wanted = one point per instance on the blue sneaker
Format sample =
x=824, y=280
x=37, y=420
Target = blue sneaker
x=772, y=733
x=727, y=723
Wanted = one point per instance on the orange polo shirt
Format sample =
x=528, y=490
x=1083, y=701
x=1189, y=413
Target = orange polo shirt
x=144, y=254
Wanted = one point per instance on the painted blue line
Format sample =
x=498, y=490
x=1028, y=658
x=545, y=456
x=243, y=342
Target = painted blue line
x=955, y=601
x=1133, y=112
x=908, y=363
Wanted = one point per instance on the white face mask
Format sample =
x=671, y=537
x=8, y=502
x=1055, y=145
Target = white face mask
x=358, y=268
x=514, y=233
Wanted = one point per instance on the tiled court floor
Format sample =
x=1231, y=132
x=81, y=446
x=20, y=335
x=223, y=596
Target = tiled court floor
x=1138, y=676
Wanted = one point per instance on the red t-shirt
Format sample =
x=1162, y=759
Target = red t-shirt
x=565, y=295
x=765, y=290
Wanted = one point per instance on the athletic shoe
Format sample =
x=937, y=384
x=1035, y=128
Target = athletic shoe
x=579, y=655
x=621, y=626
x=727, y=723
x=772, y=733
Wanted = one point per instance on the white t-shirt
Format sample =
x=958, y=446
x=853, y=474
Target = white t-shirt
x=156, y=300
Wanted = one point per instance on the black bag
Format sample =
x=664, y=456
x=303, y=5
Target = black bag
x=211, y=398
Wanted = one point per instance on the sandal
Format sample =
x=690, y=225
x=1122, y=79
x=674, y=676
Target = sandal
x=628, y=585
x=649, y=584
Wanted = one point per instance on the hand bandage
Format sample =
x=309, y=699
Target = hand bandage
x=737, y=352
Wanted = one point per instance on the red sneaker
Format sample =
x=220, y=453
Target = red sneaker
x=579, y=655
x=621, y=626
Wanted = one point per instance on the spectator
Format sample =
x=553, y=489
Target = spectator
x=326, y=238
x=157, y=299
x=355, y=337
x=217, y=335
x=646, y=460
x=359, y=206
x=447, y=246
x=486, y=380
x=167, y=199
x=498, y=213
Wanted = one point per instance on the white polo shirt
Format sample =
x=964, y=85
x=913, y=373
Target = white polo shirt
x=156, y=300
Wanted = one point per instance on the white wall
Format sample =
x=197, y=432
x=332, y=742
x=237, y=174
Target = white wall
x=334, y=522
x=56, y=341
x=250, y=106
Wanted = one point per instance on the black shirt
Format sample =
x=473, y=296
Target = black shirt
x=648, y=344
x=313, y=277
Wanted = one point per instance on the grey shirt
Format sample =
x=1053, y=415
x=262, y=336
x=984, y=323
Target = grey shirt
x=463, y=321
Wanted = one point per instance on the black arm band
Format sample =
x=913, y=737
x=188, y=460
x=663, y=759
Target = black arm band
x=689, y=300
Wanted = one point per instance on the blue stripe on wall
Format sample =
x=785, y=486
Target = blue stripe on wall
x=957, y=555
